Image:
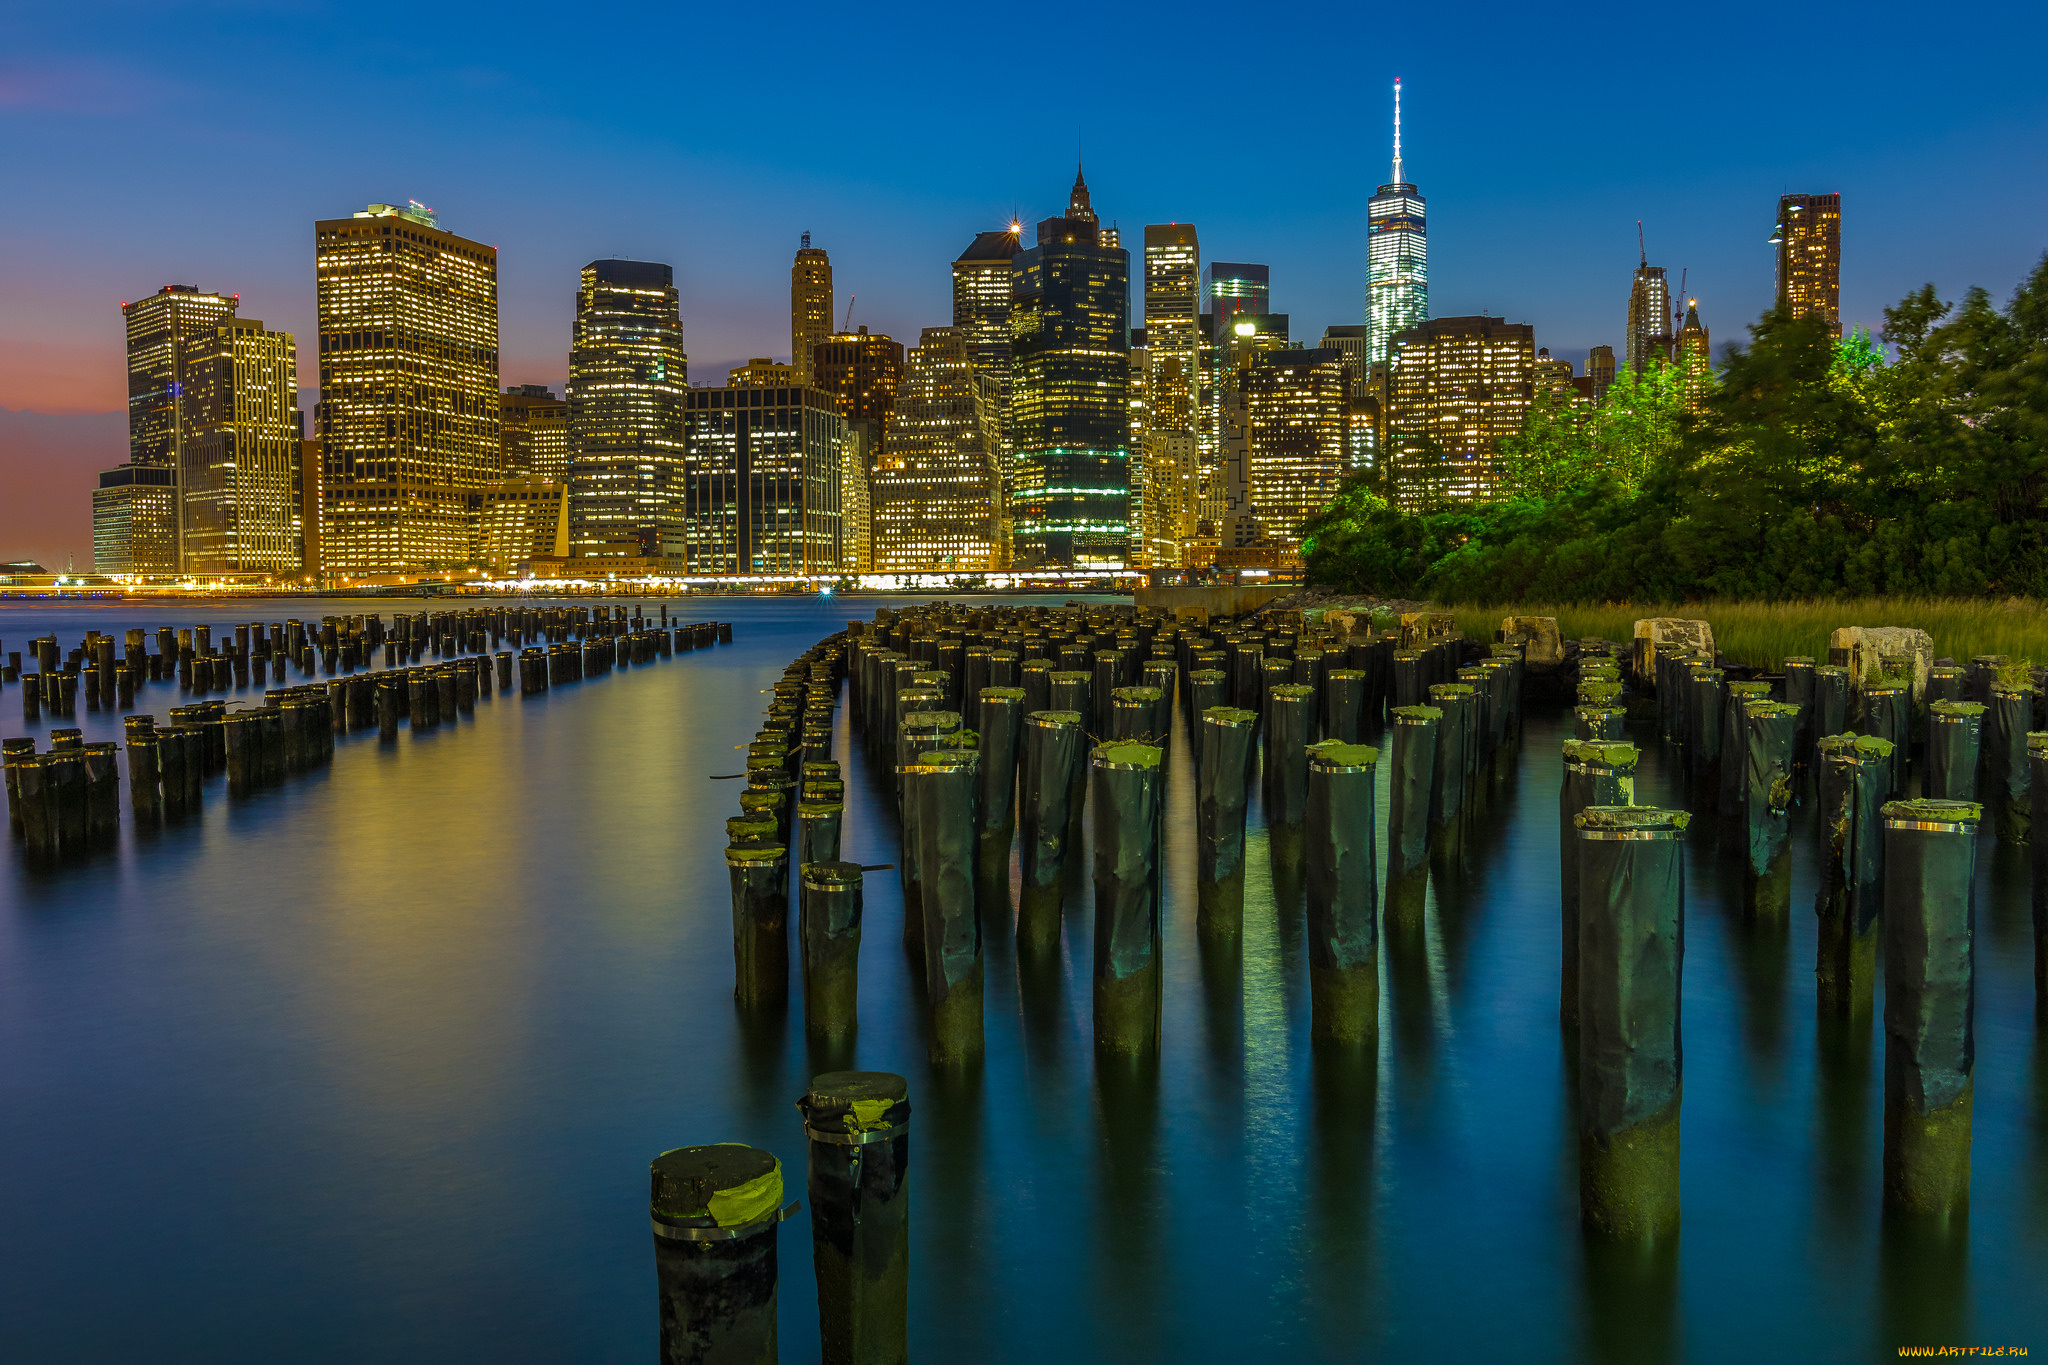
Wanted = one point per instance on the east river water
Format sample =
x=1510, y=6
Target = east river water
x=369, y=1066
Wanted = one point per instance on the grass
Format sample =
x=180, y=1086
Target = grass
x=1765, y=634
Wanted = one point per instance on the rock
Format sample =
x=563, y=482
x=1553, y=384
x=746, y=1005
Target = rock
x=1542, y=645
x=1697, y=637
x=1859, y=648
x=1420, y=627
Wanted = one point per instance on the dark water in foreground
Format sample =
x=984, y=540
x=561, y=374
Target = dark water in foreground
x=370, y=1067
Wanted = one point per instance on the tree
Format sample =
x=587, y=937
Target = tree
x=1815, y=467
x=1566, y=444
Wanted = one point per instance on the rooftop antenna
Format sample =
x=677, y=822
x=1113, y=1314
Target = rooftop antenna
x=807, y=239
x=1397, y=131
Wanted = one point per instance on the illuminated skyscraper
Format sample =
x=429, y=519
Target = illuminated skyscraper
x=533, y=433
x=1168, y=460
x=168, y=333
x=762, y=493
x=1226, y=510
x=862, y=371
x=1296, y=435
x=981, y=308
x=408, y=415
x=1809, y=242
x=1397, y=256
x=936, y=491
x=627, y=378
x=1457, y=387
x=239, y=476
x=1649, y=313
x=1235, y=289
x=810, y=306
x=1695, y=358
x=1069, y=418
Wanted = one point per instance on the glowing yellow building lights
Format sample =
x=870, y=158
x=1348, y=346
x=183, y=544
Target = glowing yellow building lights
x=409, y=402
x=936, y=490
x=1809, y=242
x=1458, y=386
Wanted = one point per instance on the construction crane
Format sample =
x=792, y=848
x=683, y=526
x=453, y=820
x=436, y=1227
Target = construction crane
x=849, y=313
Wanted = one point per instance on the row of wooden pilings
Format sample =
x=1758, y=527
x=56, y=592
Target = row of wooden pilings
x=1072, y=711
x=247, y=653
x=66, y=802
x=1898, y=864
x=715, y=1208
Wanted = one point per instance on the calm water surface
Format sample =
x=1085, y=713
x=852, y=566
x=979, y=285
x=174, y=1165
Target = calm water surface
x=370, y=1066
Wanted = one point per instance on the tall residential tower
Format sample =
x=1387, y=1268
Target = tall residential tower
x=1069, y=414
x=137, y=515
x=981, y=314
x=1649, y=313
x=239, y=476
x=810, y=306
x=1809, y=242
x=1167, y=461
x=1397, y=256
x=408, y=415
x=627, y=378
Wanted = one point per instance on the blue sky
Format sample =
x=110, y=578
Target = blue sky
x=149, y=143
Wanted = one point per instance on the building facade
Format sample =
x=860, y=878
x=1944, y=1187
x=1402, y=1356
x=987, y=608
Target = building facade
x=1809, y=242
x=1069, y=416
x=1600, y=371
x=1297, y=437
x=1173, y=394
x=1553, y=378
x=810, y=306
x=763, y=373
x=238, y=480
x=1236, y=288
x=408, y=414
x=521, y=519
x=135, y=520
x=761, y=486
x=1457, y=387
x=1695, y=359
x=862, y=371
x=856, y=499
x=627, y=377
x=1649, y=317
x=936, y=489
x=981, y=306
x=168, y=334
x=533, y=433
x=1397, y=256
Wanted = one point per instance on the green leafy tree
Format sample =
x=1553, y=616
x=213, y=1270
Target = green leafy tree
x=1566, y=444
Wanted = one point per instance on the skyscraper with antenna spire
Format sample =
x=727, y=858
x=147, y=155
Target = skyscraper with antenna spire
x=1397, y=256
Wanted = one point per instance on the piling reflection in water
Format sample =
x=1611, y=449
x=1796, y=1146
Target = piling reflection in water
x=566, y=981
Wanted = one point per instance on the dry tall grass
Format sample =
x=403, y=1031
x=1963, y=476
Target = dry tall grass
x=1765, y=634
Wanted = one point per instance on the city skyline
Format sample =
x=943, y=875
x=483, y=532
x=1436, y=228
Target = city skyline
x=1533, y=230
x=409, y=330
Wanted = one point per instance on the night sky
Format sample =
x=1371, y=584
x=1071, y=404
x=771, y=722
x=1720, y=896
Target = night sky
x=147, y=144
